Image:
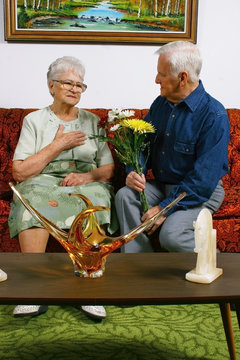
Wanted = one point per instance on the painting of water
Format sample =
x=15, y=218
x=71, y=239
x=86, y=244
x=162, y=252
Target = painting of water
x=125, y=20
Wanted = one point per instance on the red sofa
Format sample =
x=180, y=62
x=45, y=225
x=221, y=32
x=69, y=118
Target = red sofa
x=226, y=220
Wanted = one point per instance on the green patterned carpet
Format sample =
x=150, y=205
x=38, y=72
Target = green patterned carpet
x=183, y=332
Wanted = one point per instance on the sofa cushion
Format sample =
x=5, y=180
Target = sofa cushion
x=4, y=208
x=231, y=204
x=228, y=234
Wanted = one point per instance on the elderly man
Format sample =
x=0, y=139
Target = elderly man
x=188, y=153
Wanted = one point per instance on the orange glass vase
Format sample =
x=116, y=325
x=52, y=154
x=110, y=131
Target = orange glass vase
x=86, y=243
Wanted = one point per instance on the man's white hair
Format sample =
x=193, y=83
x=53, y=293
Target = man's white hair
x=183, y=56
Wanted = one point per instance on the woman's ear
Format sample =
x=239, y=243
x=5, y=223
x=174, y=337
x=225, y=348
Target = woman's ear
x=51, y=86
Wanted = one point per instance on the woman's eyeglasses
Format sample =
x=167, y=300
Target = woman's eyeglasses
x=69, y=85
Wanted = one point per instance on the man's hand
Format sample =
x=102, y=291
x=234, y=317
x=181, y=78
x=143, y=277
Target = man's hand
x=150, y=213
x=135, y=181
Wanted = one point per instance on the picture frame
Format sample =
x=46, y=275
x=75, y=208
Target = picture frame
x=36, y=21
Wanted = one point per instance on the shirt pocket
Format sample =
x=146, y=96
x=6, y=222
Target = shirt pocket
x=183, y=158
x=184, y=148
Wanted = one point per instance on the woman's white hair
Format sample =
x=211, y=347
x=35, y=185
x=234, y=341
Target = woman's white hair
x=64, y=64
x=183, y=56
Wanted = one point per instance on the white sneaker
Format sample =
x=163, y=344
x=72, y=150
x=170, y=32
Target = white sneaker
x=96, y=312
x=29, y=310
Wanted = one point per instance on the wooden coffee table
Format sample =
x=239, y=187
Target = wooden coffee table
x=129, y=279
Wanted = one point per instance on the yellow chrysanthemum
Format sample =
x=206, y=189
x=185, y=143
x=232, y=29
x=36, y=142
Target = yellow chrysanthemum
x=139, y=126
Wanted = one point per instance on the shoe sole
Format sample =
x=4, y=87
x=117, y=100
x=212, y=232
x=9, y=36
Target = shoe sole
x=41, y=310
x=92, y=316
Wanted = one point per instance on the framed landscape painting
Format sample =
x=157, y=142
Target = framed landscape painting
x=101, y=21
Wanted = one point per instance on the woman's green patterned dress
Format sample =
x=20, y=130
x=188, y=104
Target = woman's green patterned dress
x=44, y=191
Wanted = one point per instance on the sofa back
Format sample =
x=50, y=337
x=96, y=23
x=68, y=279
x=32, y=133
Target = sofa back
x=11, y=123
x=232, y=179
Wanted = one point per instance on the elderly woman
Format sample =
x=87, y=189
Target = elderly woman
x=55, y=157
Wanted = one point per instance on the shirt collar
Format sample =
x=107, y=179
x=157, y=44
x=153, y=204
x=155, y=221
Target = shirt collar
x=192, y=100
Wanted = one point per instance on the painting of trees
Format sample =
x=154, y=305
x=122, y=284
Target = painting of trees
x=37, y=4
x=150, y=7
x=126, y=21
x=161, y=7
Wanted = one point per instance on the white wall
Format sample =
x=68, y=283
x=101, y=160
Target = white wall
x=123, y=75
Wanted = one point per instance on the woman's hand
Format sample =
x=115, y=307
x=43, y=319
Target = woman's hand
x=74, y=179
x=135, y=181
x=150, y=213
x=34, y=164
x=101, y=174
x=69, y=140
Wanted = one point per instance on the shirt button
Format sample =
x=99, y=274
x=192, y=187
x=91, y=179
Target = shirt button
x=173, y=116
x=187, y=150
x=163, y=152
x=167, y=134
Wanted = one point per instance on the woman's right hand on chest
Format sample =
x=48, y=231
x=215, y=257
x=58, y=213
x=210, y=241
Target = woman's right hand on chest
x=34, y=164
x=69, y=140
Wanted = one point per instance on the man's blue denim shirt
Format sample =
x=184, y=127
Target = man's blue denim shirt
x=190, y=146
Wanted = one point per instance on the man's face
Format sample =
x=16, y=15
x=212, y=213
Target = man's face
x=169, y=84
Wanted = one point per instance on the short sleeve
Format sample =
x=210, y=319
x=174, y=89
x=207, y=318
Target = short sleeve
x=27, y=141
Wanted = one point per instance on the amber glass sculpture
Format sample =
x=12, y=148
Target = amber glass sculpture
x=86, y=243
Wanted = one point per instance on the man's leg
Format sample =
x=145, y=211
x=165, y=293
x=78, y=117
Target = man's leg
x=128, y=207
x=177, y=232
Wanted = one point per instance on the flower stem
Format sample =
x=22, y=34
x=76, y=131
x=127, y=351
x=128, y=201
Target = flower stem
x=143, y=198
x=144, y=201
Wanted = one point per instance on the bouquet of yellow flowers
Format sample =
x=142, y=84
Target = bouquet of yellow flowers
x=128, y=134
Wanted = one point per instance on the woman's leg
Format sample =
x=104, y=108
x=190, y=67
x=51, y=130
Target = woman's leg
x=33, y=240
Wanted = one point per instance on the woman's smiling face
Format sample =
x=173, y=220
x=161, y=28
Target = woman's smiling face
x=64, y=96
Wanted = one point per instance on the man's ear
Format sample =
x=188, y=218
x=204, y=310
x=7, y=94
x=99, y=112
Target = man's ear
x=183, y=77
